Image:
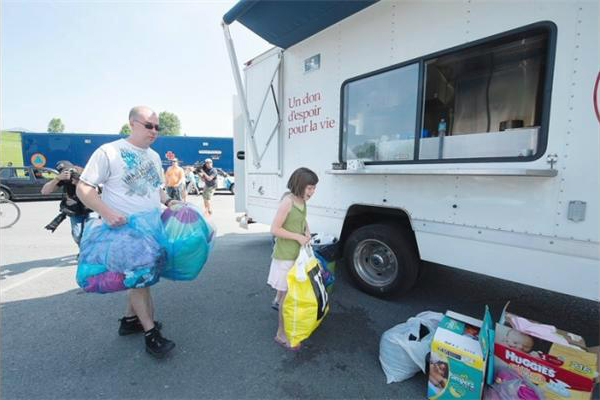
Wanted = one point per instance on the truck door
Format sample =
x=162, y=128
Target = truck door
x=263, y=144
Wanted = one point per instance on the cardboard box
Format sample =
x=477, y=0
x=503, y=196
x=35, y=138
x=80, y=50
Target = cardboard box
x=540, y=360
x=459, y=355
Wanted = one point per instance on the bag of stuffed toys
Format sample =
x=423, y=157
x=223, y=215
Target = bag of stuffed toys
x=124, y=257
x=190, y=238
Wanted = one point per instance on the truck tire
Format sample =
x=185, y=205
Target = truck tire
x=232, y=188
x=382, y=259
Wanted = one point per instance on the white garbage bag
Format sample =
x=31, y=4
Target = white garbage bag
x=403, y=348
x=323, y=239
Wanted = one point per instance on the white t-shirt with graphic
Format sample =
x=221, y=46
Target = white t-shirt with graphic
x=131, y=177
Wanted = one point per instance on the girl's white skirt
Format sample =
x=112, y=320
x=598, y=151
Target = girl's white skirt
x=278, y=274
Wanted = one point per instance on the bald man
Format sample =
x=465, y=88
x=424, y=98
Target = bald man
x=132, y=180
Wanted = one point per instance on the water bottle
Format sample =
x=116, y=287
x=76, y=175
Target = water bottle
x=441, y=134
x=442, y=127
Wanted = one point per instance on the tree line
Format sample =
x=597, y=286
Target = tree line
x=169, y=125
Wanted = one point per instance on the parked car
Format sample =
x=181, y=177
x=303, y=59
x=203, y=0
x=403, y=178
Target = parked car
x=225, y=181
x=26, y=183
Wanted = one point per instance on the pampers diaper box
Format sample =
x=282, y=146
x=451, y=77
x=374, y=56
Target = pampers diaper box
x=459, y=355
x=540, y=360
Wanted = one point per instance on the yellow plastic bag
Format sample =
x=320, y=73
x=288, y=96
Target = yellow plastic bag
x=306, y=302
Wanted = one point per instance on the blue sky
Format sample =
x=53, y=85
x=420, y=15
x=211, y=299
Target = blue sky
x=89, y=62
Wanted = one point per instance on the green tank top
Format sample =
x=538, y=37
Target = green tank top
x=295, y=221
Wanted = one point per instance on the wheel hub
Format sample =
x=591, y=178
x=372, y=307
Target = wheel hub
x=375, y=262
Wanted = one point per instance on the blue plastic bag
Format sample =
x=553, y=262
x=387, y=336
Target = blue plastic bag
x=124, y=257
x=327, y=274
x=325, y=254
x=190, y=238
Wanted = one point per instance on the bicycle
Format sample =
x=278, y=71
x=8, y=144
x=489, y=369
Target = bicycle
x=9, y=213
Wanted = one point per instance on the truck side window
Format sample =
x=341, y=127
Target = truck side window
x=380, y=115
x=484, y=101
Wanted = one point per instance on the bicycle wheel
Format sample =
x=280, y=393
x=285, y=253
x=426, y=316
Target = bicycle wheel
x=9, y=214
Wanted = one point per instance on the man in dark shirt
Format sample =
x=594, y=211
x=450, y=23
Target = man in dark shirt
x=209, y=175
x=70, y=204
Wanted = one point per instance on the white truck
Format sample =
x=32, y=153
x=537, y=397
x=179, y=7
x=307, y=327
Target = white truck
x=463, y=133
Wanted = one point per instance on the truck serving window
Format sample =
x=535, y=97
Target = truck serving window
x=488, y=100
x=380, y=115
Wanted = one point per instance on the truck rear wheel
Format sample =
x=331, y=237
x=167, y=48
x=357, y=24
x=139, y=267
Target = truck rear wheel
x=382, y=259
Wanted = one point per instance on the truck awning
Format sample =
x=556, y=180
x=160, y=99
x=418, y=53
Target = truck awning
x=285, y=23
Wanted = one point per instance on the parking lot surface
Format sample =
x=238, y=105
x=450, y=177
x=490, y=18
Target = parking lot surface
x=61, y=343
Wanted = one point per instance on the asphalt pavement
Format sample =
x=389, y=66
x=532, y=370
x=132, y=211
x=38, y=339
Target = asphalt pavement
x=58, y=342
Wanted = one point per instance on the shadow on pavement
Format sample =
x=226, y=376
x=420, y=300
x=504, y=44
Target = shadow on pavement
x=19, y=268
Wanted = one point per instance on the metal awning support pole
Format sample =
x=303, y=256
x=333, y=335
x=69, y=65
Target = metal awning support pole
x=241, y=93
x=269, y=89
x=270, y=138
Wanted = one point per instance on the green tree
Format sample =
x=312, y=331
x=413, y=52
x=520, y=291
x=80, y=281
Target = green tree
x=169, y=124
x=125, y=130
x=56, y=126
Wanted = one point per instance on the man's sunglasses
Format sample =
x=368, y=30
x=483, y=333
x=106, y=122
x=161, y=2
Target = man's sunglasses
x=149, y=125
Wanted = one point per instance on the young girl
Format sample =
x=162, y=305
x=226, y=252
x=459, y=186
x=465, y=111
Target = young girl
x=291, y=231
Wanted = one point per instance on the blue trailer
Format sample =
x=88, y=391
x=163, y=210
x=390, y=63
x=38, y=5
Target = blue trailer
x=46, y=149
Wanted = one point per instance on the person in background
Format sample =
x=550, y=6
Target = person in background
x=175, y=180
x=209, y=175
x=132, y=177
x=190, y=180
x=70, y=205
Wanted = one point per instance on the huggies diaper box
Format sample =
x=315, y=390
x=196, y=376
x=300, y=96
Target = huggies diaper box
x=459, y=355
x=537, y=361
